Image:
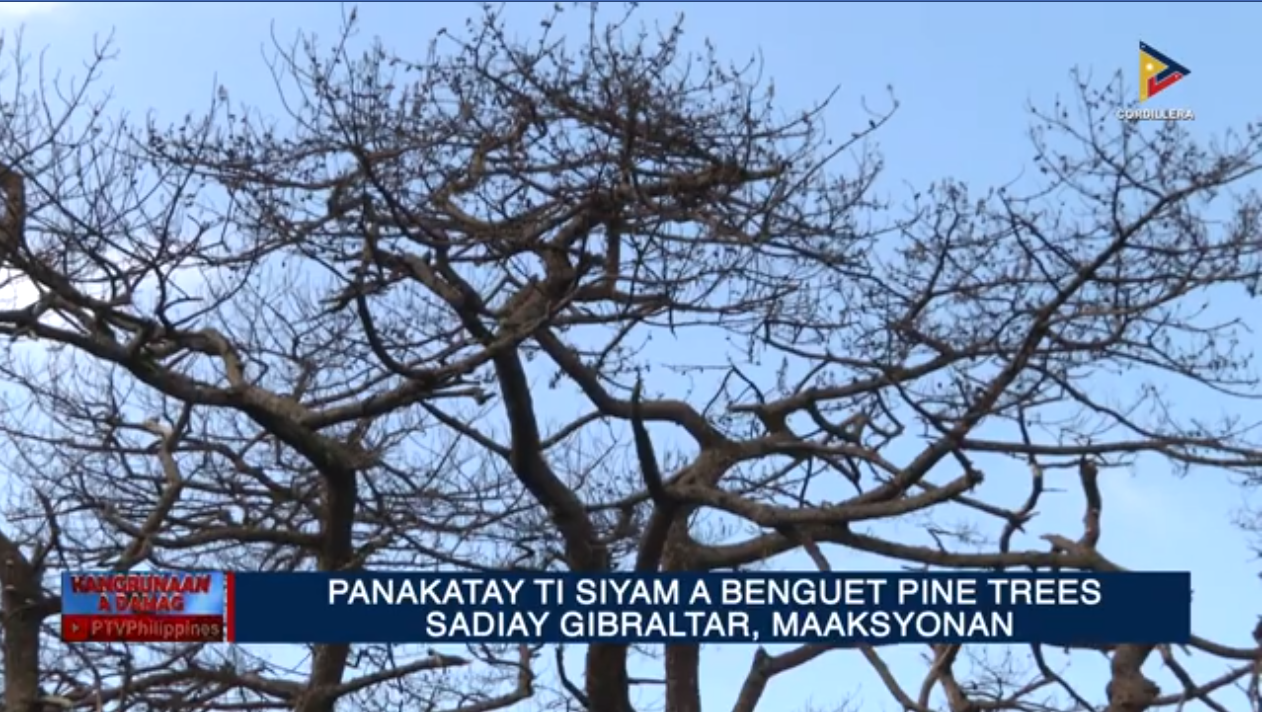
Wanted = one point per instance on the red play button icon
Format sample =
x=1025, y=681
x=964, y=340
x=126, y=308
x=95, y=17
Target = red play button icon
x=74, y=629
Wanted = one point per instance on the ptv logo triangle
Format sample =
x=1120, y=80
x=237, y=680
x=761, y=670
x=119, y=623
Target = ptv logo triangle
x=1157, y=71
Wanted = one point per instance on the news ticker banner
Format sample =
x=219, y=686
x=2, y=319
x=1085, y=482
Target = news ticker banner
x=837, y=608
x=145, y=607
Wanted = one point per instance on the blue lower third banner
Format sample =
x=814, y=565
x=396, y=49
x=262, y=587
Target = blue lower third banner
x=840, y=608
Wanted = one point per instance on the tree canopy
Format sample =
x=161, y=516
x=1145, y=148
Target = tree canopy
x=589, y=304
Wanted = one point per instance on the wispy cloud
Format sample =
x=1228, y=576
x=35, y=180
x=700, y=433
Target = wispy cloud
x=26, y=9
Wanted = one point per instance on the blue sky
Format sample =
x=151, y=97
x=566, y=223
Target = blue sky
x=964, y=74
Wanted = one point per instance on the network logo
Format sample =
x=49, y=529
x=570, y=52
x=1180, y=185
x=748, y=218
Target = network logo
x=1157, y=72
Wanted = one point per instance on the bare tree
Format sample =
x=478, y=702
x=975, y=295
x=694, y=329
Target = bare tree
x=324, y=342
